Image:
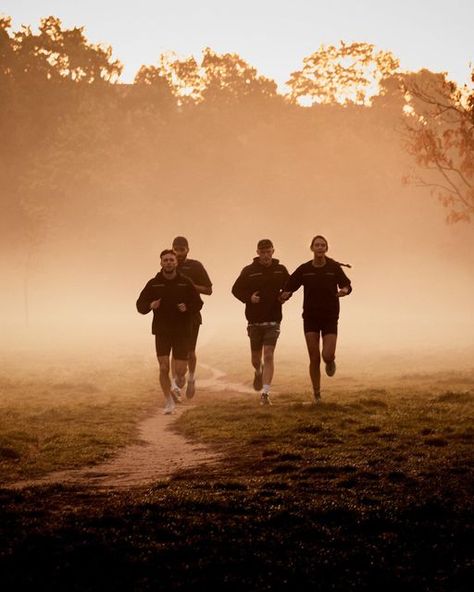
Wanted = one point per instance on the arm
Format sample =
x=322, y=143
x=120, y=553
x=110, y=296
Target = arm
x=194, y=302
x=146, y=299
x=202, y=281
x=344, y=284
x=240, y=289
x=293, y=283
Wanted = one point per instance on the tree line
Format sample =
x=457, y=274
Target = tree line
x=69, y=128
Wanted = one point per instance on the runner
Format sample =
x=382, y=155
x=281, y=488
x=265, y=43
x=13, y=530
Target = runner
x=324, y=283
x=194, y=270
x=259, y=286
x=174, y=301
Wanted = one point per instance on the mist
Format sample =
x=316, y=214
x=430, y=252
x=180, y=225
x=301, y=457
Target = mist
x=411, y=271
x=98, y=178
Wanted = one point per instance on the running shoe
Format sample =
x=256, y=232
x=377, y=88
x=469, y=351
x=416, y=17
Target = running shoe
x=258, y=381
x=265, y=399
x=169, y=406
x=176, y=395
x=331, y=368
x=190, y=389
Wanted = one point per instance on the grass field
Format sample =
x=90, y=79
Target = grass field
x=371, y=489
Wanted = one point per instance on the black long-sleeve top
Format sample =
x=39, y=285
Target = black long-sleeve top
x=171, y=292
x=320, y=285
x=268, y=281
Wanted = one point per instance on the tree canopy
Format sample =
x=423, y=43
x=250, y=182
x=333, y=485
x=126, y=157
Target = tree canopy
x=440, y=136
x=348, y=73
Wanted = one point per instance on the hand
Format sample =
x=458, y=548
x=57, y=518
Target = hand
x=284, y=296
x=342, y=292
x=255, y=298
x=182, y=307
x=155, y=304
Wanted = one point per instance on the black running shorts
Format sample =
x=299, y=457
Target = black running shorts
x=323, y=325
x=176, y=341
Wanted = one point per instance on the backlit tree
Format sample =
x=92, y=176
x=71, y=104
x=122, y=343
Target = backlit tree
x=440, y=136
x=349, y=73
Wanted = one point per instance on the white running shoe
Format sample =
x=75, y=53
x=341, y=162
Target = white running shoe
x=169, y=406
x=265, y=399
x=176, y=395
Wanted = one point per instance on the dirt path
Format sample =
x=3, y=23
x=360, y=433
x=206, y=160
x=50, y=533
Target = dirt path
x=159, y=453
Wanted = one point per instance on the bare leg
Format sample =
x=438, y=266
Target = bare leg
x=257, y=359
x=165, y=383
x=180, y=368
x=192, y=362
x=312, y=343
x=268, y=364
x=257, y=364
x=329, y=352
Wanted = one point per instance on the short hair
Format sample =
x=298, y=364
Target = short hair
x=180, y=241
x=265, y=243
x=167, y=252
x=321, y=237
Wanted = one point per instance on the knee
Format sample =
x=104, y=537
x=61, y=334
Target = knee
x=164, y=368
x=268, y=358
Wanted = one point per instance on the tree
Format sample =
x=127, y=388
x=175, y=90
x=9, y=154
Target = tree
x=56, y=53
x=225, y=77
x=350, y=73
x=439, y=134
x=44, y=79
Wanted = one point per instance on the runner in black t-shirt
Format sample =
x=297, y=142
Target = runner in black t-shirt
x=324, y=283
x=173, y=300
x=194, y=270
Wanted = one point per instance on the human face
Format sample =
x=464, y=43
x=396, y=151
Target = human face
x=265, y=256
x=181, y=253
x=169, y=263
x=319, y=247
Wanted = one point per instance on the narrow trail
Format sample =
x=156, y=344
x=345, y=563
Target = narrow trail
x=159, y=453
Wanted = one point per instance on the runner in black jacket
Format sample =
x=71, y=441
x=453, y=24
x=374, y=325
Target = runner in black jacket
x=259, y=287
x=324, y=283
x=174, y=300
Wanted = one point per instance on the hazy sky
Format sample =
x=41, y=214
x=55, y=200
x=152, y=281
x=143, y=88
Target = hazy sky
x=272, y=35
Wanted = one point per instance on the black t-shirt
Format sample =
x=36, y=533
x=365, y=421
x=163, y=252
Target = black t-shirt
x=320, y=285
x=195, y=271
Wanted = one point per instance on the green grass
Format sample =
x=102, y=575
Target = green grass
x=59, y=417
x=372, y=489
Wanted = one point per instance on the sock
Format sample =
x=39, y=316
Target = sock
x=266, y=388
x=191, y=377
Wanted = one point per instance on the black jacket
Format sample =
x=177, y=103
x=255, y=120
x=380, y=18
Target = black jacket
x=268, y=282
x=172, y=292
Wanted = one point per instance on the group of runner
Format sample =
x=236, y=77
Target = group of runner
x=263, y=286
